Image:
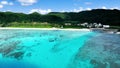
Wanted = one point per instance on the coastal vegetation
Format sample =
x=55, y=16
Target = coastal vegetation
x=59, y=19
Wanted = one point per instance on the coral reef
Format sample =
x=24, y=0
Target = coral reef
x=102, y=51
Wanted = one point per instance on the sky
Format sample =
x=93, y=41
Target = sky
x=46, y=6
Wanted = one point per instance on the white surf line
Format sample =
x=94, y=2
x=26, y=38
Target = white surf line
x=48, y=29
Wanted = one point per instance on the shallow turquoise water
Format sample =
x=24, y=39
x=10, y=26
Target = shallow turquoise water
x=49, y=49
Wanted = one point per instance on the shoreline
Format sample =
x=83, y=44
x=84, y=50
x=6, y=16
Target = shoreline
x=72, y=29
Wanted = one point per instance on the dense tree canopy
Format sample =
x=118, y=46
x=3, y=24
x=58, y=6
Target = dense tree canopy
x=110, y=17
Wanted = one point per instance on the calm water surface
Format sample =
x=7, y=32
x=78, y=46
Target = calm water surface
x=58, y=49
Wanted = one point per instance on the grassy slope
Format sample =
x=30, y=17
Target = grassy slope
x=38, y=25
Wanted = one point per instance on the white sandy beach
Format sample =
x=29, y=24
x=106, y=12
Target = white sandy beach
x=47, y=29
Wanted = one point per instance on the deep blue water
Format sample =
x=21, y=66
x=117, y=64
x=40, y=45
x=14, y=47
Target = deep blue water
x=58, y=49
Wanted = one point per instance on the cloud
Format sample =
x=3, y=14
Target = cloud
x=41, y=11
x=27, y=2
x=77, y=10
x=1, y=6
x=104, y=7
x=62, y=11
x=88, y=9
x=88, y=3
x=81, y=9
x=11, y=3
x=6, y=3
x=114, y=8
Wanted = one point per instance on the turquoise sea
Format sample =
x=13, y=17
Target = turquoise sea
x=20, y=48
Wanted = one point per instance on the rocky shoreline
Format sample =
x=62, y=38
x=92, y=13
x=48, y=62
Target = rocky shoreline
x=102, y=30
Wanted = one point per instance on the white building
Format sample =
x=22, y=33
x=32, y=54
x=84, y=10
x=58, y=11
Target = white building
x=67, y=23
x=106, y=26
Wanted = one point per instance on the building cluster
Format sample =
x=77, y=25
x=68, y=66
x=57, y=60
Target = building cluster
x=95, y=25
x=90, y=25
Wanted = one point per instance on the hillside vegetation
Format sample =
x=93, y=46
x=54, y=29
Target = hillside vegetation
x=106, y=17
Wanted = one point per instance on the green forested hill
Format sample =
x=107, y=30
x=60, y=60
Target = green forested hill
x=109, y=17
